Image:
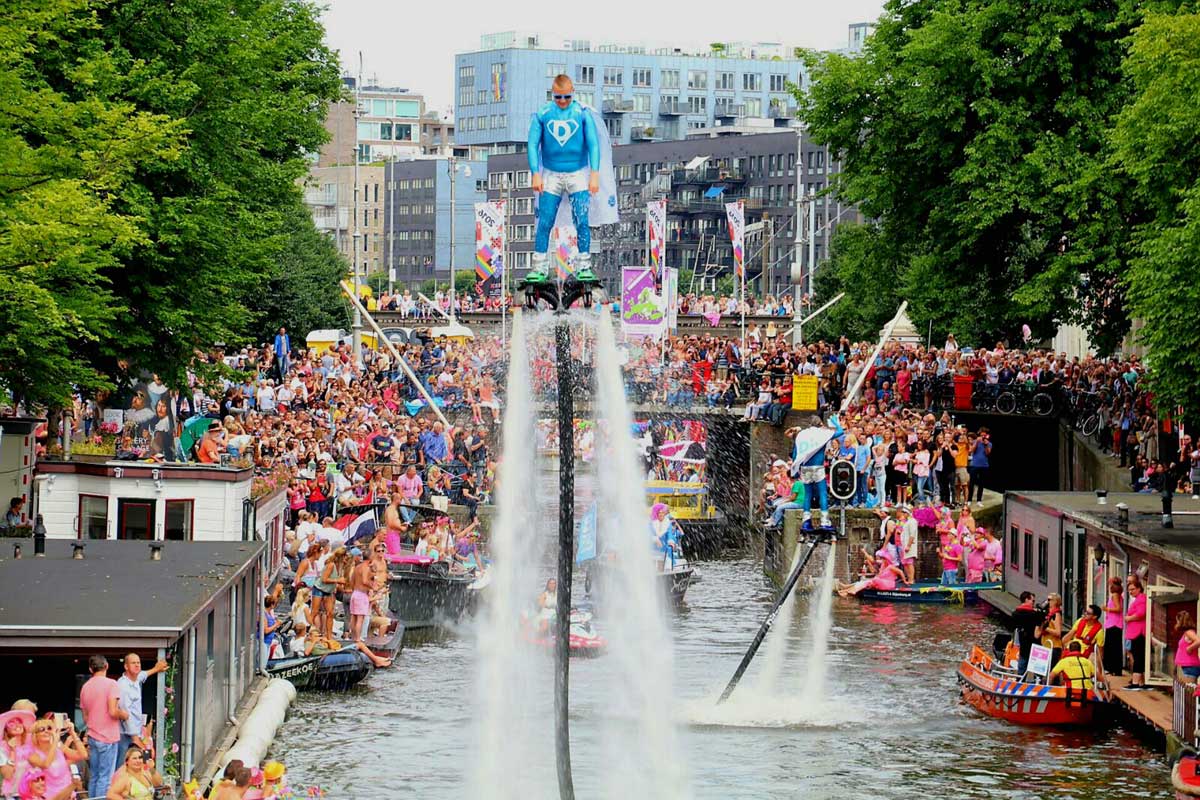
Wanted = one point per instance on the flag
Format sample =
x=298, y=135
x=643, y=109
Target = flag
x=656, y=229
x=362, y=527
x=586, y=549
x=735, y=215
x=565, y=243
x=489, y=239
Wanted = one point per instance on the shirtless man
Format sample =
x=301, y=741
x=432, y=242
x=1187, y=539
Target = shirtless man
x=361, y=584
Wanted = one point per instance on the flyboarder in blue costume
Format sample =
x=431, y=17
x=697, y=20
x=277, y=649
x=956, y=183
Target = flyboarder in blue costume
x=565, y=160
x=808, y=464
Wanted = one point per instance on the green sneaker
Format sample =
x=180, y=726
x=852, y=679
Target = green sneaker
x=537, y=276
x=583, y=269
x=538, y=269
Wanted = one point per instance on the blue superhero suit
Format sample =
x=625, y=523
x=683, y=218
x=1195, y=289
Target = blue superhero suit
x=809, y=466
x=564, y=145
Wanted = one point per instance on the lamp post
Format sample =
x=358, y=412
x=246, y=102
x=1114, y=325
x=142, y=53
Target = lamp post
x=452, y=163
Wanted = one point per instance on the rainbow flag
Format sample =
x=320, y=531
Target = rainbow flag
x=484, y=262
x=562, y=252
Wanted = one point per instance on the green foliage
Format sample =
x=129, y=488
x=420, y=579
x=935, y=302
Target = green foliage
x=68, y=148
x=859, y=266
x=1156, y=146
x=302, y=293
x=974, y=133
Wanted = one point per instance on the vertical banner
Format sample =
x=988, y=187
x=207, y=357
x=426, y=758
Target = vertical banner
x=671, y=290
x=656, y=232
x=642, y=312
x=735, y=215
x=564, y=244
x=586, y=544
x=489, y=245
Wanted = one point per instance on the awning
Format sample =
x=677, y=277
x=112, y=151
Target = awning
x=714, y=191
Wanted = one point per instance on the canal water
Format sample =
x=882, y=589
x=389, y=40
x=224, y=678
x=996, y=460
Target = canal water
x=891, y=725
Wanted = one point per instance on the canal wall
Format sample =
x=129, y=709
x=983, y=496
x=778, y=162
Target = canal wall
x=862, y=530
x=1083, y=467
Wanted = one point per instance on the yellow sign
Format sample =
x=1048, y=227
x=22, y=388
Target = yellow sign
x=804, y=393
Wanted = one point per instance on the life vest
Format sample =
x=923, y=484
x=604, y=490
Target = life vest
x=1082, y=680
x=1087, y=636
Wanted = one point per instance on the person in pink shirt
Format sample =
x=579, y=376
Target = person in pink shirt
x=993, y=556
x=102, y=716
x=951, y=554
x=1135, y=633
x=976, y=557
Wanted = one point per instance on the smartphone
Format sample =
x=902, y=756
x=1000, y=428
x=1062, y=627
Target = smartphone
x=60, y=720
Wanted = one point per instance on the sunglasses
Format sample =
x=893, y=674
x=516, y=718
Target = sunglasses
x=562, y=97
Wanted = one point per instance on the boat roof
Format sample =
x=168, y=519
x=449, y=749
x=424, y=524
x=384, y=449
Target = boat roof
x=1180, y=544
x=115, y=593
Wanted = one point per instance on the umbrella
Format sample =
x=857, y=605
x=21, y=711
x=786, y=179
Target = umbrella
x=684, y=451
x=193, y=429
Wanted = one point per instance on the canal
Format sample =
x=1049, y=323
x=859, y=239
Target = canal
x=889, y=726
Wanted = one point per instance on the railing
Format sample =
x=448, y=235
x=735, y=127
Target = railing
x=726, y=111
x=669, y=109
x=643, y=133
x=617, y=107
x=781, y=112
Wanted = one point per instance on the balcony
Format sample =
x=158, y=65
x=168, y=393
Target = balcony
x=781, y=112
x=320, y=197
x=668, y=109
x=729, y=111
x=706, y=174
x=644, y=133
x=617, y=107
x=335, y=220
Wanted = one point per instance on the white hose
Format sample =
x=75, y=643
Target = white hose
x=258, y=731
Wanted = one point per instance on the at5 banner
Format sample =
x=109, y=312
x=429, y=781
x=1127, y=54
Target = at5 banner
x=656, y=230
x=735, y=214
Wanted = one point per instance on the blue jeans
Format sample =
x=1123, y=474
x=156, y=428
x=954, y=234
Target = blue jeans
x=924, y=488
x=777, y=514
x=949, y=577
x=125, y=742
x=102, y=763
x=574, y=186
x=818, y=491
x=880, y=488
x=860, y=490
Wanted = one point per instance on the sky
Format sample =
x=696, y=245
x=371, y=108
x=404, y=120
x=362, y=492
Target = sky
x=412, y=45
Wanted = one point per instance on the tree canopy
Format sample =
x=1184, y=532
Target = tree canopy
x=149, y=163
x=973, y=135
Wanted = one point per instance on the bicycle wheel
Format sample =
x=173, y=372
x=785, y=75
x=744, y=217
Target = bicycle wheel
x=1043, y=404
x=1090, y=425
x=1006, y=403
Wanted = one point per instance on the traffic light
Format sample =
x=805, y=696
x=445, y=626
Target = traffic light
x=843, y=480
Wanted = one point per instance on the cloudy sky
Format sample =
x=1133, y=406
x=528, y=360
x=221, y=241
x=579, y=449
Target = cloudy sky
x=413, y=44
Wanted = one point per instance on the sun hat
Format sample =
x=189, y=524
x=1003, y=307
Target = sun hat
x=273, y=770
x=27, y=718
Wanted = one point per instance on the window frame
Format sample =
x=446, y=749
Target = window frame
x=190, y=530
x=79, y=518
x=1027, y=553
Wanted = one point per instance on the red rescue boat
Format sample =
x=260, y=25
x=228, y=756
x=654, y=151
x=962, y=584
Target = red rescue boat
x=583, y=642
x=1185, y=777
x=998, y=692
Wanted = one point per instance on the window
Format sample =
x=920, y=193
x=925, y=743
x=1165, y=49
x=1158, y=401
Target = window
x=670, y=79
x=669, y=104
x=778, y=83
x=179, y=520
x=586, y=98
x=524, y=205
x=211, y=638
x=428, y=183
x=1043, y=560
x=523, y=179
x=725, y=82
x=641, y=77
x=554, y=70
x=614, y=76
x=697, y=104
x=93, y=516
x=1014, y=547
x=723, y=106
x=753, y=106
x=641, y=103
x=481, y=96
x=614, y=126
x=1028, y=553
x=585, y=74
x=499, y=76
x=465, y=95
x=752, y=82
x=466, y=75
x=697, y=79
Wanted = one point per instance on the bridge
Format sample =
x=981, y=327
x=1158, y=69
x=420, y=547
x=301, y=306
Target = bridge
x=489, y=322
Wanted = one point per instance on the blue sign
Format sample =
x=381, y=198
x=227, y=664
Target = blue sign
x=586, y=549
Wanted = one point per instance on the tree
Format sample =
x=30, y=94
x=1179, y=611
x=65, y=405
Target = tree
x=974, y=133
x=302, y=293
x=64, y=158
x=1156, y=147
x=860, y=266
x=250, y=80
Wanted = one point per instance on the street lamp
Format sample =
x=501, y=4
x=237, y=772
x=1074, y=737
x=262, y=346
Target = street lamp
x=452, y=165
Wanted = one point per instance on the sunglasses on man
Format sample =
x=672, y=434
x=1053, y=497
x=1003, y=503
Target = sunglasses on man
x=562, y=97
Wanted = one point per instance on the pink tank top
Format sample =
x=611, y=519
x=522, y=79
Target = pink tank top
x=58, y=774
x=1183, y=658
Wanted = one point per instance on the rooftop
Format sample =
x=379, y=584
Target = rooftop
x=1180, y=543
x=115, y=592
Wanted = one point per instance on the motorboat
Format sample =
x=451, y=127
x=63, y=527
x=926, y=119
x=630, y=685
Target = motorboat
x=584, y=641
x=957, y=594
x=673, y=580
x=994, y=688
x=340, y=670
x=299, y=671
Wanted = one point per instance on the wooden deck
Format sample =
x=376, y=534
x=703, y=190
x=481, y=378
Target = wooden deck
x=1001, y=601
x=1153, y=706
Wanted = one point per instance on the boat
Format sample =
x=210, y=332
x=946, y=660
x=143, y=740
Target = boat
x=584, y=641
x=958, y=594
x=996, y=690
x=673, y=581
x=338, y=671
x=1185, y=777
x=386, y=644
x=706, y=529
x=425, y=593
x=299, y=670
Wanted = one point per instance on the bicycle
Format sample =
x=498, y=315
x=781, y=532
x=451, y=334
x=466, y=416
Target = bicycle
x=1024, y=400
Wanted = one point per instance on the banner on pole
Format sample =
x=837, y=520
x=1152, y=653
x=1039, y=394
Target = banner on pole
x=642, y=309
x=735, y=215
x=671, y=290
x=656, y=227
x=490, y=220
x=564, y=245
